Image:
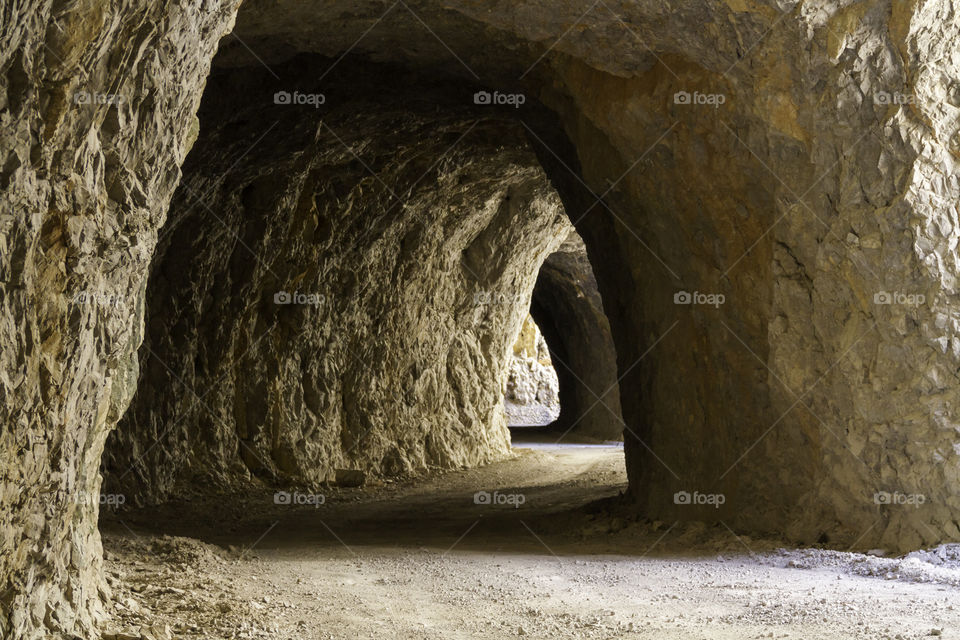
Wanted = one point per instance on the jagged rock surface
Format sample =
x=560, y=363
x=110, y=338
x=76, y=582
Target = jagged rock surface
x=342, y=297
x=97, y=102
x=821, y=188
x=531, y=389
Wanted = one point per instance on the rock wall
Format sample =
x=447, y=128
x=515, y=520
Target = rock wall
x=344, y=296
x=807, y=190
x=96, y=104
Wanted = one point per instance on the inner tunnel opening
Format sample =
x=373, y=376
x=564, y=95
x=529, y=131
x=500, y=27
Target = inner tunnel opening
x=386, y=262
x=563, y=371
x=375, y=257
x=531, y=395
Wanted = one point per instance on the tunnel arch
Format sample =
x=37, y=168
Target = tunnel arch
x=420, y=225
x=635, y=134
x=567, y=307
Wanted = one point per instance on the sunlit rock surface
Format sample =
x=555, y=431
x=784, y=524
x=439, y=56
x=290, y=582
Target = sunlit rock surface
x=531, y=389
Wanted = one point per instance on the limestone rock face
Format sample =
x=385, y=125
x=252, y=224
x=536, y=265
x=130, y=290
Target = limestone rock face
x=530, y=342
x=784, y=327
x=96, y=102
x=531, y=388
x=342, y=296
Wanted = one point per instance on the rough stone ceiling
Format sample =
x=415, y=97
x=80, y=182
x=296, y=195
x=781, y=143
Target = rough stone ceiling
x=476, y=40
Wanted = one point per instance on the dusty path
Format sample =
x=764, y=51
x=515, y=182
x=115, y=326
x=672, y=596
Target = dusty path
x=424, y=560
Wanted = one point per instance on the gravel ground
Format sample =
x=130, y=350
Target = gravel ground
x=427, y=558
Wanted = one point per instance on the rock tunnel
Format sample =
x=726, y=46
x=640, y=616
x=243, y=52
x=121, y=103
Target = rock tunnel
x=264, y=242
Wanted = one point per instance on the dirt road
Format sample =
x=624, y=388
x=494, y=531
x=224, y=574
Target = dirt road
x=433, y=559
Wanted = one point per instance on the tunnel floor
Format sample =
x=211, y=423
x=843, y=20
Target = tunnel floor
x=545, y=556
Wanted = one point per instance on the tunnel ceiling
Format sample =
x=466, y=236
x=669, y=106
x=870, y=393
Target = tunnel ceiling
x=481, y=41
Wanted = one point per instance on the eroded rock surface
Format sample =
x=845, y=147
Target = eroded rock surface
x=97, y=103
x=531, y=389
x=797, y=159
x=343, y=296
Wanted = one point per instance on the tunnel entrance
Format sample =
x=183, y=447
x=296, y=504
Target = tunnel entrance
x=376, y=257
x=531, y=391
x=579, y=367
